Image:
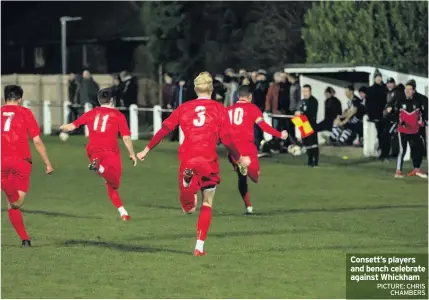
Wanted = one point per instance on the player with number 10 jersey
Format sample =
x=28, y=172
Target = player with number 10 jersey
x=104, y=123
x=244, y=115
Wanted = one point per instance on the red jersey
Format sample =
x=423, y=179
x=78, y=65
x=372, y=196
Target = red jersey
x=17, y=123
x=203, y=122
x=243, y=116
x=103, y=123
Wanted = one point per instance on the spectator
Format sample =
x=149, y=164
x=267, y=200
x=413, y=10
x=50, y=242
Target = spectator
x=375, y=104
x=116, y=90
x=74, y=98
x=333, y=109
x=253, y=79
x=167, y=90
x=242, y=73
x=259, y=97
x=272, y=98
x=129, y=89
x=167, y=93
x=219, y=89
x=309, y=107
x=396, y=93
x=294, y=98
x=409, y=113
x=350, y=123
x=423, y=101
x=129, y=92
x=88, y=89
x=180, y=93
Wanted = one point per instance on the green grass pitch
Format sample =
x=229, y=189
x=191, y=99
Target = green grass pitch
x=293, y=247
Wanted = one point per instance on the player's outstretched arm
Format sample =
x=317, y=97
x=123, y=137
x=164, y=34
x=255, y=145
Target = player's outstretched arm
x=68, y=127
x=270, y=130
x=40, y=147
x=79, y=122
x=129, y=145
x=157, y=138
x=167, y=126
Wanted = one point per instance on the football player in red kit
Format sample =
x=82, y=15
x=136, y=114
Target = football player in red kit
x=244, y=115
x=203, y=122
x=104, y=123
x=17, y=123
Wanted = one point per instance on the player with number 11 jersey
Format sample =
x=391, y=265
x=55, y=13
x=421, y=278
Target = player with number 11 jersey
x=244, y=115
x=103, y=124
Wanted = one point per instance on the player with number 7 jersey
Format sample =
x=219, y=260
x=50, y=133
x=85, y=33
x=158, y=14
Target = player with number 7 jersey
x=17, y=124
x=104, y=123
x=203, y=122
x=244, y=115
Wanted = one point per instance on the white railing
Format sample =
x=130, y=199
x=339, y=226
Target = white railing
x=370, y=144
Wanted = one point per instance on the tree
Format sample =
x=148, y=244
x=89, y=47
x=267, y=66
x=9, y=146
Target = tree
x=390, y=34
x=187, y=37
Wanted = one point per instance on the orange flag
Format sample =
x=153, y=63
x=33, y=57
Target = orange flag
x=303, y=125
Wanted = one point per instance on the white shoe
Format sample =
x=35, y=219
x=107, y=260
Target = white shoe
x=249, y=210
x=421, y=174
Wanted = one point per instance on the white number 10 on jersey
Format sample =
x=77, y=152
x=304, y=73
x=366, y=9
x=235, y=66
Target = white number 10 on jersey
x=236, y=115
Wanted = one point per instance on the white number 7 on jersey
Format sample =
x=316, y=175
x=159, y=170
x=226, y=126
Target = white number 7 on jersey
x=200, y=110
x=9, y=116
x=103, y=125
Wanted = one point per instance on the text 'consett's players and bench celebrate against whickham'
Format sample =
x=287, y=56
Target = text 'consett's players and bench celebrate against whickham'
x=204, y=122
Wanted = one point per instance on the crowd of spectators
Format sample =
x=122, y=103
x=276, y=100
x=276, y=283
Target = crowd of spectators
x=282, y=95
x=82, y=89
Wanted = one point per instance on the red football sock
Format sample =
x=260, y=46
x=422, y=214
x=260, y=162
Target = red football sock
x=114, y=196
x=204, y=222
x=246, y=200
x=243, y=188
x=11, y=192
x=15, y=218
x=110, y=175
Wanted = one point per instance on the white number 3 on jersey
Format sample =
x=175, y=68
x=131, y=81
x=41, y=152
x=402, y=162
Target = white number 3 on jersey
x=201, y=111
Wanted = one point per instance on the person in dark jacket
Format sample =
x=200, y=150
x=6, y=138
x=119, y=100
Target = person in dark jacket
x=74, y=98
x=423, y=100
x=375, y=104
x=333, y=109
x=88, y=89
x=309, y=107
x=408, y=113
x=259, y=97
x=394, y=94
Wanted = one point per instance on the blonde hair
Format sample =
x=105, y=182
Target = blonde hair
x=203, y=83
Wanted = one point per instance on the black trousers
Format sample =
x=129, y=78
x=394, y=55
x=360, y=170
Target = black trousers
x=417, y=148
x=383, y=138
x=311, y=144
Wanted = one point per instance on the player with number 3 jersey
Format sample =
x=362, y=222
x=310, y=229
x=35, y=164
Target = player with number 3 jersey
x=203, y=122
x=17, y=124
x=244, y=115
x=103, y=124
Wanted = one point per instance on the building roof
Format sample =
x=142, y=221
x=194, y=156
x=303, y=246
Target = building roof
x=101, y=21
x=336, y=68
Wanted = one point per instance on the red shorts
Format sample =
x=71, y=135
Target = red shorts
x=111, y=161
x=251, y=151
x=206, y=173
x=16, y=172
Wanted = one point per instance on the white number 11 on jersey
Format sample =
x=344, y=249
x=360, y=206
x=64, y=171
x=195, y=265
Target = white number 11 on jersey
x=103, y=125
